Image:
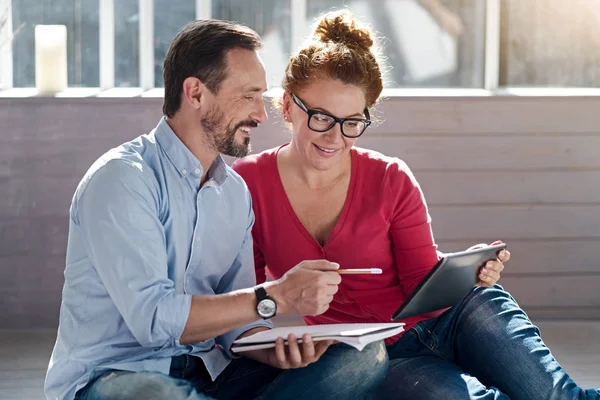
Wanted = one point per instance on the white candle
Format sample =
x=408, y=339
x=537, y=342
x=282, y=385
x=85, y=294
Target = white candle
x=50, y=58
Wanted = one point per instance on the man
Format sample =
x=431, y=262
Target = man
x=160, y=257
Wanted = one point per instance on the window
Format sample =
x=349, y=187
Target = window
x=169, y=17
x=127, y=34
x=424, y=43
x=271, y=20
x=82, y=20
x=550, y=43
x=427, y=43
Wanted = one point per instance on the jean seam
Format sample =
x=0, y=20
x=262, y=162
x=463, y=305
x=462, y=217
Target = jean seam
x=435, y=340
x=434, y=346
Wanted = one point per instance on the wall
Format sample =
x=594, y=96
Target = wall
x=522, y=169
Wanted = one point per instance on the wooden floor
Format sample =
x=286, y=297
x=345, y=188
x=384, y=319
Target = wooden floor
x=24, y=356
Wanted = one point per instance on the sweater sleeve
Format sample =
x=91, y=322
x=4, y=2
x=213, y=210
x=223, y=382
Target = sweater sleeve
x=413, y=245
x=244, y=167
x=260, y=266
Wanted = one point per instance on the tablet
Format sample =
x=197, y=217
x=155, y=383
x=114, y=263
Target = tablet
x=448, y=282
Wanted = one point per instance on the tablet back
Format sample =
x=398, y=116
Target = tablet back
x=448, y=282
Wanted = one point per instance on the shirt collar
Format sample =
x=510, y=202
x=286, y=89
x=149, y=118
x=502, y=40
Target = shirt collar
x=218, y=171
x=182, y=158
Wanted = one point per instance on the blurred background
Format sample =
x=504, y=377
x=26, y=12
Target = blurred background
x=438, y=43
x=494, y=104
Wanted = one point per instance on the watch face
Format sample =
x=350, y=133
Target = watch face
x=266, y=308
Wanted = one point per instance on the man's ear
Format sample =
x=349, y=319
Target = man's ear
x=193, y=92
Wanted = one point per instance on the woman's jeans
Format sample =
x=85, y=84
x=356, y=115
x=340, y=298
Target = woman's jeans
x=341, y=373
x=483, y=348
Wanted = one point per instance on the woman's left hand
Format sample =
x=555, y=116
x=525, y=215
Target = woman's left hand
x=489, y=274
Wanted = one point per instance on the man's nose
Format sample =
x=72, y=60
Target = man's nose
x=260, y=112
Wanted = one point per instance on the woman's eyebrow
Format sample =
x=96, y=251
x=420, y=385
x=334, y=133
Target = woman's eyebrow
x=330, y=113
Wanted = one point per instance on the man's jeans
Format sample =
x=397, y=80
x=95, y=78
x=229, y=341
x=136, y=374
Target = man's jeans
x=483, y=348
x=341, y=373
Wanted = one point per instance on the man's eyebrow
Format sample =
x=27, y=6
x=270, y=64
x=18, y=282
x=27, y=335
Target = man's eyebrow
x=255, y=89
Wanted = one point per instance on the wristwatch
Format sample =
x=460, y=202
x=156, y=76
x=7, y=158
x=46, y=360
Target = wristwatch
x=265, y=305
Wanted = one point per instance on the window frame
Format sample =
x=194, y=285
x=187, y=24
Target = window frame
x=491, y=57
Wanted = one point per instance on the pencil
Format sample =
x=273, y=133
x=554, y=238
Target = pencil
x=354, y=271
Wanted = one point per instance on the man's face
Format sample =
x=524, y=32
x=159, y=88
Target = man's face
x=238, y=106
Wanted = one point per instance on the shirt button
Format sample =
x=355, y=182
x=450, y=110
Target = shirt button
x=197, y=171
x=197, y=238
x=184, y=171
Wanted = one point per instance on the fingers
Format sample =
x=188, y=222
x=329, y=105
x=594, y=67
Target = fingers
x=330, y=278
x=330, y=290
x=478, y=246
x=504, y=255
x=490, y=273
x=490, y=279
x=309, y=287
x=289, y=355
x=294, y=359
x=280, y=353
x=493, y=265
x=322, y=265
x=308, y=350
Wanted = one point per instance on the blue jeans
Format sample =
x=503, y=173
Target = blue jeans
x=483, y=348
x=341, y=373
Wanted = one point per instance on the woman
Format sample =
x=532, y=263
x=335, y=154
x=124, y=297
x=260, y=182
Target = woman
x=319, y=197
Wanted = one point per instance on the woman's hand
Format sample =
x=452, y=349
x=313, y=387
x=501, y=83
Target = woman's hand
x=489, y=274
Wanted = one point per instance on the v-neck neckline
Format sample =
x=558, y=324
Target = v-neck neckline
x=345, y=210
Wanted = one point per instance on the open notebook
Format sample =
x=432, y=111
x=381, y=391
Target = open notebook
x=355, y=335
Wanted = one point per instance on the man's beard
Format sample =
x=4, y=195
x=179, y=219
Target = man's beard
x=223, y=139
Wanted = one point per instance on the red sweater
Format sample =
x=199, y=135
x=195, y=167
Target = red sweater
x=384, y=224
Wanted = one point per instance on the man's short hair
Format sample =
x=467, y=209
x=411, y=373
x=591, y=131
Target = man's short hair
x=199, y=50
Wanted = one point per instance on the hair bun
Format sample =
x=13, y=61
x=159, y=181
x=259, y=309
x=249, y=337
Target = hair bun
x=342, y=27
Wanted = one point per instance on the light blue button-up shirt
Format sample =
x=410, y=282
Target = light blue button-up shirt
x=144, y=237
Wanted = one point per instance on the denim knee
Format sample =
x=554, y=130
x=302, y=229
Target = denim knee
x=483, y=307
x=361, y=371
x=125, y=385
x=491, y=299
x=342, y=373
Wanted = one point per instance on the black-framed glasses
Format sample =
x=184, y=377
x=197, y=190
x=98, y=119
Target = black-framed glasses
x=320, y=121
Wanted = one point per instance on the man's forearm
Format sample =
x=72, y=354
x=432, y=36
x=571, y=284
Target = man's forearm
x=214, y=315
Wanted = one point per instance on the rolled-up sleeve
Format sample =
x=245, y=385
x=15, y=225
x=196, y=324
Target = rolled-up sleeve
x=241, y=275
x=117, y=211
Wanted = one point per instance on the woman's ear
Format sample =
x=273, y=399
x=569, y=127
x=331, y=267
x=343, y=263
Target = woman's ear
x=287, y=107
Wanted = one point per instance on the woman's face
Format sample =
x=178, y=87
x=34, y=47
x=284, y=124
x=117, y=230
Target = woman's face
x=323, y=150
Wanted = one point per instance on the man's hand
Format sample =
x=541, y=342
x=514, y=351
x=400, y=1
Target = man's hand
x=306, y=289
x=489, y=274
x=294, y=355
